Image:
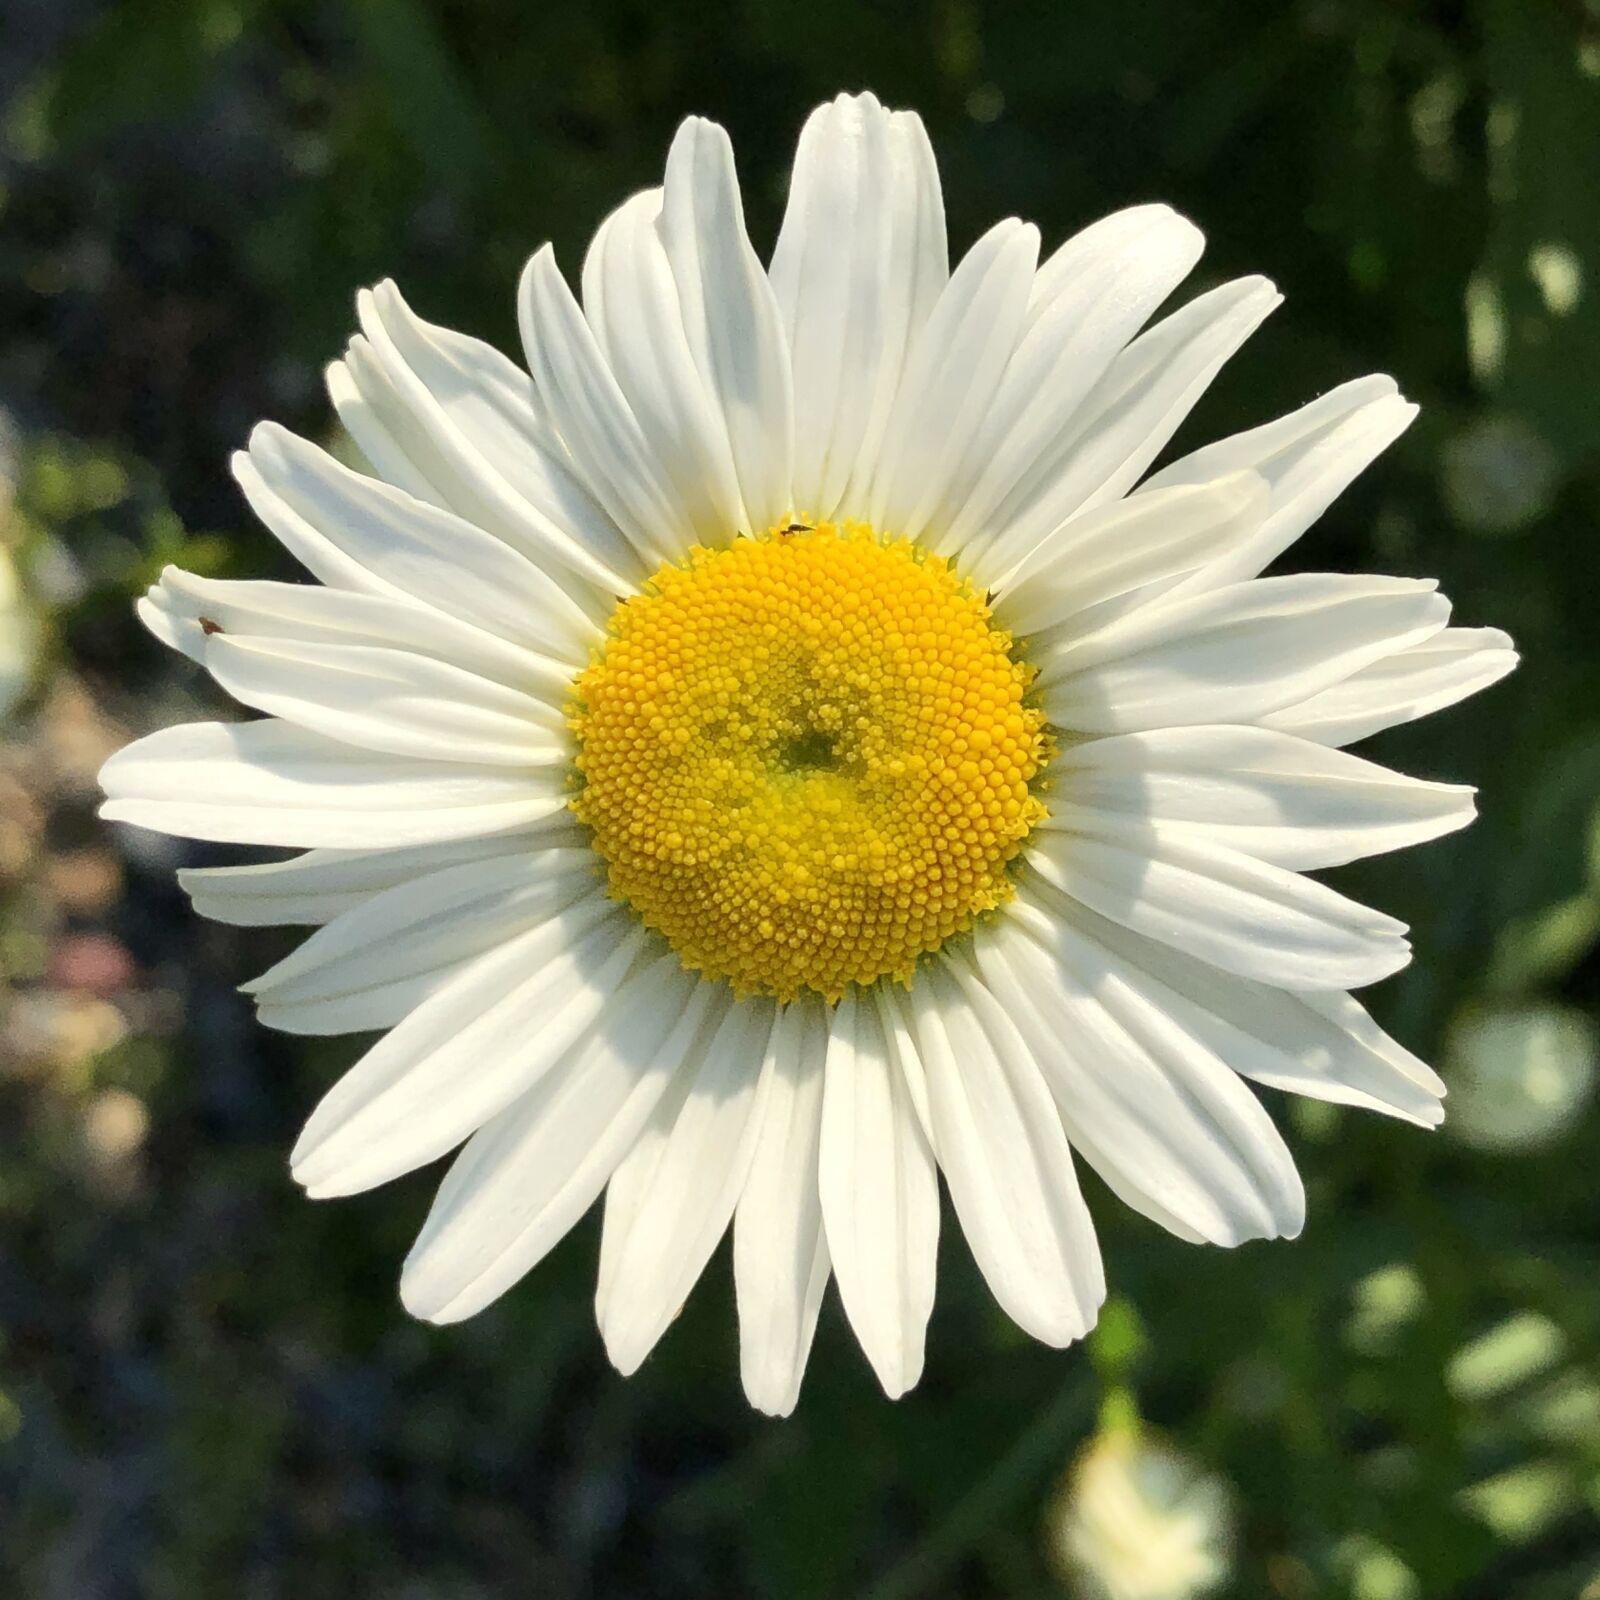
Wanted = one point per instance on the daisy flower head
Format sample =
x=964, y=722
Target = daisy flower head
x=782, y=745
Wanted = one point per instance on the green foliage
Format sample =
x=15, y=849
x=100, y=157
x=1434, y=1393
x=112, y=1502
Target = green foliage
x=206, y=1383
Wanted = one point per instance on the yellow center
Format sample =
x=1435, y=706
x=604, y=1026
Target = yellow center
x=806, y=758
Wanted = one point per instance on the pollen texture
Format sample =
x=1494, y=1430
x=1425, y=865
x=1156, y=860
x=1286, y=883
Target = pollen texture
x=806, y=758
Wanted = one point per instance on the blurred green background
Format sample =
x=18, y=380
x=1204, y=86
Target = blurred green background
x=207, y=1386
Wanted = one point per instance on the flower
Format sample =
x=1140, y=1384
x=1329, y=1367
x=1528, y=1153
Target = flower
x=1524, y=1074
x=786, y=748
x=1137, y=1520
x=19, y=634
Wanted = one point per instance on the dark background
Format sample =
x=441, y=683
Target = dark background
x=207, y=1386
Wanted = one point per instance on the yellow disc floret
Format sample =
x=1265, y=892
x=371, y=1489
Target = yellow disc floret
x=806, y=758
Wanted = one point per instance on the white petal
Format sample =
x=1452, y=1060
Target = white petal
x=596, y=424
x=1171, y=1130
x=173, y=609
x=780, y=1257
x=880, y=1196
x=1128, y=545
x=903, y=1050
x=406, y=440
x=1248, y=918
x=1232, y=654
x=953, y=369
x=467, y=1051
x=470, y=421
x=531, y=1172
x=730, y=316
x=1308, y=458
x=1125, y=420
x=356, y=533
x=390, y=700
x=443, y=442
x=314, y=888
x=860, y=260
x=1275, y=797
x=377, y=962
x=631, y=302
x=1087, y=301
x=672, y=1196
x=1005, y=1158
x=1323, y=1045
x=1353, y=1062
x=1396, y=688
x=270, y=783
x=367, y=425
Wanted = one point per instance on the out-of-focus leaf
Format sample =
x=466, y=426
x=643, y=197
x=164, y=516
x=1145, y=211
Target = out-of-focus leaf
x=1507, y=1356
x=1520, y=1504
x=138, y=58
x=434, y=108
x=1549, y=860
x=1541, y=948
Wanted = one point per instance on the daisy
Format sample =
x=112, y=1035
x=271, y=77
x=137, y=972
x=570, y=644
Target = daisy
x=782, y=747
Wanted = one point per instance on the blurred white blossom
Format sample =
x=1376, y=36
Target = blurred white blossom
x=1519, y=1075
x=1137, y=1520
x=114, y=1126
x=18, y=638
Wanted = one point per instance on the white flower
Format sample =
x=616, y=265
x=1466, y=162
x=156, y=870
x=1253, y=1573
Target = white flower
x=1138, y=1521
x=19, y=634
x=726, y=556
x=1524, y=1074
